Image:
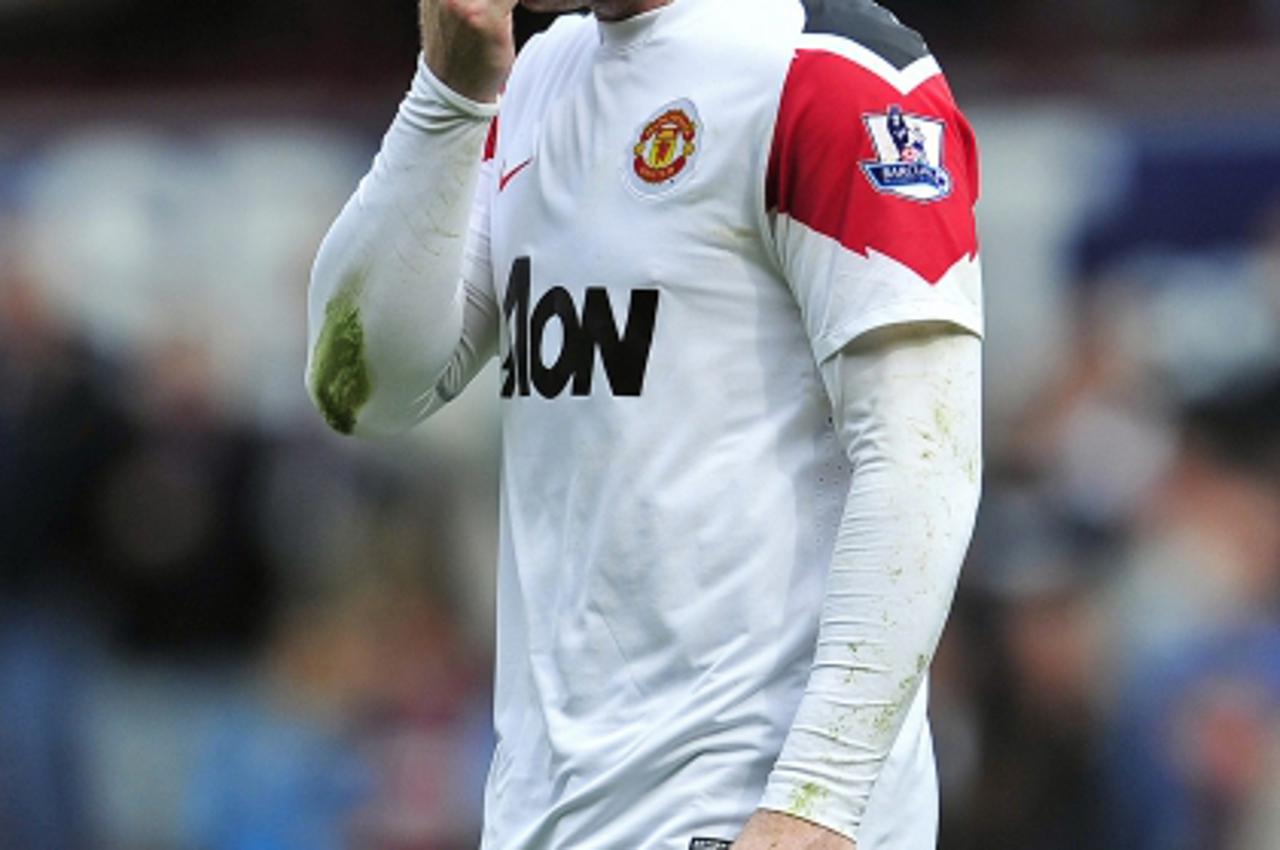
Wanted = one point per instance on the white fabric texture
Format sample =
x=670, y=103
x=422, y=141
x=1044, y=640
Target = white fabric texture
x=907, y=403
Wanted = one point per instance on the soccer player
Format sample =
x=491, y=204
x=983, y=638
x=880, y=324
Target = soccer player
x=725, y=253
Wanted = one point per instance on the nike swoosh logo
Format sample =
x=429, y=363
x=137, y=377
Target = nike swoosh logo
x=511, y=175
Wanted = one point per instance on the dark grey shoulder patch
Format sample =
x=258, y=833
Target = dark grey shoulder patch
x=869, y=24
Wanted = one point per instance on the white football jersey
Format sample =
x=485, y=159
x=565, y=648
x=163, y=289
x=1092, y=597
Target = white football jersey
x=688, y=211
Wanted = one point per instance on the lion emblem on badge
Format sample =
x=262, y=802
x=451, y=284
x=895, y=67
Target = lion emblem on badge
x=910, y=152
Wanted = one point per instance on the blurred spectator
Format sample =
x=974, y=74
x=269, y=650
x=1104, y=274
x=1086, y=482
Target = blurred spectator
x=1032, y=622
x=1193, y=746
x=277, y=769
x=175, y=515
x=425, y=730
x=57, y=431
x=1197, y=646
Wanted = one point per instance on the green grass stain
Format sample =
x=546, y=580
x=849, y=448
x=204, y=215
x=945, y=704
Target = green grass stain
x=944, y=421
x=854, y=649
x=339, y=373
x=882, y=722
x=805, y=799
x=885, y=717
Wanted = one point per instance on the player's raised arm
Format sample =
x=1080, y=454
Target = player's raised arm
x=400, y=311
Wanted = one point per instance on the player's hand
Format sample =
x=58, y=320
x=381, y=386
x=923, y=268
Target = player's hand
x=776, y=831
x=469, y=44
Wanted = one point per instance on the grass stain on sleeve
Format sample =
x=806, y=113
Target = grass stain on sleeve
x=340, y=373
x=806, y=799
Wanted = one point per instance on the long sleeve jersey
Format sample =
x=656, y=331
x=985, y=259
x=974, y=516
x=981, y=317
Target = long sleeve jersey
x=729, y=534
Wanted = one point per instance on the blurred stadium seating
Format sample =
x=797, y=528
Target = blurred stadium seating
x=223, y=628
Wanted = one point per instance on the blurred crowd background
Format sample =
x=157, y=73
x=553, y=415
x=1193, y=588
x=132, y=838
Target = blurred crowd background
x=224, y=628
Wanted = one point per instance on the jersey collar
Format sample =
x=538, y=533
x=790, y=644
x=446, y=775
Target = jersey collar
x=635, y=31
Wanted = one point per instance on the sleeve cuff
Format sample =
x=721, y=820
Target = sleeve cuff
x=812, y=800
x=966, y=316
x=428, y=87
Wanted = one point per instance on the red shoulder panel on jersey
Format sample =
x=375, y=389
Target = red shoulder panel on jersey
x=491, y=143
x=853, y=159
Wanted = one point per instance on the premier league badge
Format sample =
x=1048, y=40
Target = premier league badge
x=910, y=150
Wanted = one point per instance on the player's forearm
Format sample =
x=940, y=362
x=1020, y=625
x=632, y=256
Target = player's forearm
x=909, y=413
x=388, y=304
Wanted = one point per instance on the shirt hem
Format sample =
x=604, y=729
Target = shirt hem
x=967, y=317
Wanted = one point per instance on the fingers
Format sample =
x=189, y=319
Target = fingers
x=480, y=15
x=469, y=44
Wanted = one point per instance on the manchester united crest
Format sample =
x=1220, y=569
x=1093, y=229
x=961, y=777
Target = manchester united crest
x=666, y=148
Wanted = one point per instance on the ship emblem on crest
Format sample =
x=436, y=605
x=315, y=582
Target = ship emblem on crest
x=666, y=148
x=910, y=151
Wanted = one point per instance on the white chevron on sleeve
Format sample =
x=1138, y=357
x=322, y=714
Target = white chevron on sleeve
x=843, y=293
